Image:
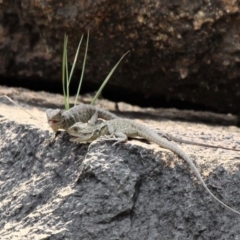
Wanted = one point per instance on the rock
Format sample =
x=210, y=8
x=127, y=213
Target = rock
x=61, y=190
x=183, y=53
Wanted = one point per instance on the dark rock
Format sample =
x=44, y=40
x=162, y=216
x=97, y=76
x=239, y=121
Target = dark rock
x=68, y=191
x=183, y=53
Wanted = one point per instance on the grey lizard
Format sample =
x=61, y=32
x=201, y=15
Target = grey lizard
x=175, y=139
x=63, y=119
x=120, y=129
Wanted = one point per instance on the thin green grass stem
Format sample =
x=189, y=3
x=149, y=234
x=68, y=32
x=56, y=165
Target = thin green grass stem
x=83, y=69
x=106, y=79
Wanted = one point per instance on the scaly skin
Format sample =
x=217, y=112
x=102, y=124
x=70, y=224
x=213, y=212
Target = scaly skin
x=175, y=139
x=60, y=119
x=120, y=129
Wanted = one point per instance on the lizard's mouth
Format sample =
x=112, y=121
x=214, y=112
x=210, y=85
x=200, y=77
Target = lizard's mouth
x=73, y=134
x=52, y=122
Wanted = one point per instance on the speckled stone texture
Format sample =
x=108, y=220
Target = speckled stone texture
x=60, y=190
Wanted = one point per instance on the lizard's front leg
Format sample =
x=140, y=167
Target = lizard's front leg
x=93, y=119
x=117, y=136
x=120, y=137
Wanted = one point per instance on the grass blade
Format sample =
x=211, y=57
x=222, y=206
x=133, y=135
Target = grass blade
x=83, y=69
x=106, y=79
x=67, y=76
x=64, y=83
x=75, y=60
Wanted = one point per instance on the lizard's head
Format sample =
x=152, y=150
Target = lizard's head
x=83, y=132
x=54, y=117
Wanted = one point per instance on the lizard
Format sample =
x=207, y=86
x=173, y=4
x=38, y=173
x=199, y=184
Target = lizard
x=176, y=139
x=120, y=129
x=60, y=119
x=63, y=119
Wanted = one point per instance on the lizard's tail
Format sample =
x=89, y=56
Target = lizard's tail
x=154, y=137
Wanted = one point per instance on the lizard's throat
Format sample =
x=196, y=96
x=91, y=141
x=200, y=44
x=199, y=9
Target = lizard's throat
x=55, y=124
x=52, y=122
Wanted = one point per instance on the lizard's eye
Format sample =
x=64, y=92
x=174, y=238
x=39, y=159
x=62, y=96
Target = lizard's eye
x=75, y=129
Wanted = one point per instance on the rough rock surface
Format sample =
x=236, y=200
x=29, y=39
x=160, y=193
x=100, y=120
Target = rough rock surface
x=129, y=191
x=181, y=51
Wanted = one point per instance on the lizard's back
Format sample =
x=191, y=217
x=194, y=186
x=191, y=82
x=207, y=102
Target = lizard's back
x=83, y=113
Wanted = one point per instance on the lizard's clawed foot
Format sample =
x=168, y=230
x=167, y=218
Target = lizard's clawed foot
x=116, y=143
x=52, y=139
